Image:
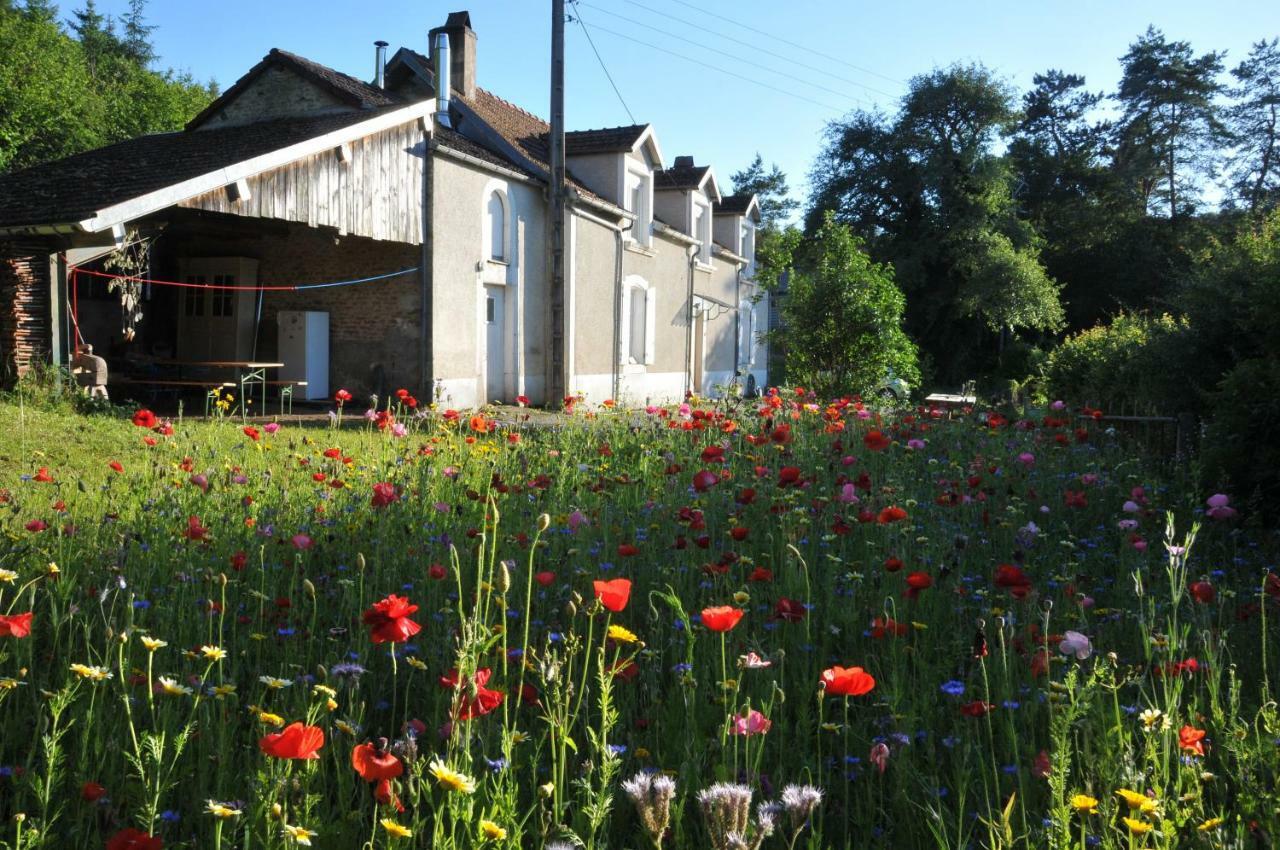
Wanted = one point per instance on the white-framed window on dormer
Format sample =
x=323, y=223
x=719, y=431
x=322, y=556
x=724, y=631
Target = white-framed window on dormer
x=495, y=216
x=701, y=230
x=637, y=199
x=639, y=312
x=749, y=248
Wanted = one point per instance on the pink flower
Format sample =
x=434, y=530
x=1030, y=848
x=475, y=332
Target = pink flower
x=271, y=427
x=915, y=444
x=752, y=661
x=577, y=519
x=752, y=723
x=880, y=756
x=1027, y=459
x=849, y=494
x=1074, y=643
x=1127, y=524
x=1220, y=507
x=301, y=542
x=1130, y=507
x=1059, y=405
x=200, y=481
x=399, y=430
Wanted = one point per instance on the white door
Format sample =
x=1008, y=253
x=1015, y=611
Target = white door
x=493, y=325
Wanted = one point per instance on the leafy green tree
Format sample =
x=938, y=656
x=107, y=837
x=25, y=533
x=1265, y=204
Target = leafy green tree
x=1171, y=128
x=136, y=43
x=933, y=196
x=843, y=316
x=96, y=33
x=770, y=188
x=1254, y=122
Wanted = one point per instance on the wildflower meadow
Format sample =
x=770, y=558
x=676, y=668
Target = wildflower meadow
x=785, y=622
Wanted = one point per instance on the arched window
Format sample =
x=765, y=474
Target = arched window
x=496, y=212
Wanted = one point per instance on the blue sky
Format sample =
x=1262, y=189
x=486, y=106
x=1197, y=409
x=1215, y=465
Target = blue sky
x=860, y=54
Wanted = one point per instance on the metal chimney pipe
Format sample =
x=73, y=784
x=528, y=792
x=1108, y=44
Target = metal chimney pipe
x=442, y=78
x=380, y=64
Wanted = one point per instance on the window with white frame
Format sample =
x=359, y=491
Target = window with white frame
x=701, y=230
x=749, y=247
x=637, y=196
x=639, y=302
x=496, y=219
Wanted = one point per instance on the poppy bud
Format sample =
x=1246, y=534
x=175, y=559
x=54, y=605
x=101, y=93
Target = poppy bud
x=547, y=790
x=307, y=586
x=544, y=521
x=222, y=579
x=570, y=610
x=360, y=564
x=504, y=578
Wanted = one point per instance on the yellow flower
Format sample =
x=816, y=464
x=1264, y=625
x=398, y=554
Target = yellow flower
x=271, y=719
x=450, y=778
x=345, y=727
x=1211, y=823
x=324, y=689
x=8, y=576
x=92, y=673
x=52, y=569
x=395, y=830
x=1084, y=804
x=8, y=683
x=152, y=644
x=300, y=834
x=621, y=635
x=1137, y=801
x=742, y=597
x=218, y=810
x=213, y=653
x=223, y=691
x=491, y=831
x=1153, y=717
x=518, y=737
x=172, y=688
x=1137, y=827
x=416, y=662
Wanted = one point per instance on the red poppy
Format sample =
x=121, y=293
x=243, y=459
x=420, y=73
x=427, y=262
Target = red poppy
x=384, y=493
x=739, y=532
x=144, y=418
x=195, y=531
x=386, y=795
x=1191, y=740
x=252, y=433
x=1203, y=592
x=705, y=480
x=789, y=476
x=476, y=700
x=15, y=625
x=1013, y=579
x=544, y=578
x=876, y=441
x=887, y=626
x=36, y=525
x=761, y=574
x=295, y=741
x=134, y=839
x=613, y=594
x=721, y=618
x=892, y=565
x=43, y=476
x=628, y=550
x=116, y=466
x=342, y=397
x=917, y=582
x=791, y=610
x=893, y=513
x=977, y=708
x=92, y=792
x=374, y=762
x=1272, y=586
x=846, y=681
x=1075, y=499
x=389, y=621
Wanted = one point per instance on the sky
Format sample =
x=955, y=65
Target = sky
x=772, y=74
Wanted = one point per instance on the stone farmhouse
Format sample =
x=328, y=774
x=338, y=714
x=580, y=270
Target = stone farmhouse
x=422, y=180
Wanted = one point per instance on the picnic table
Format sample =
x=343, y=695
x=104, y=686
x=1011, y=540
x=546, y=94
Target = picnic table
x=248, y=375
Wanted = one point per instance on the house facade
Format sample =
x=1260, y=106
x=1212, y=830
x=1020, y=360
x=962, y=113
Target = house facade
x=412, y=211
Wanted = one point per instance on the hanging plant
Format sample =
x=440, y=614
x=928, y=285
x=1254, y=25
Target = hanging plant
x=130, y=262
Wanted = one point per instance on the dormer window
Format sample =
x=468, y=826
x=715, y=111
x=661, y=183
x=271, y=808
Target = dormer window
x=639, y=192
x=701, y=230
x=749, y=247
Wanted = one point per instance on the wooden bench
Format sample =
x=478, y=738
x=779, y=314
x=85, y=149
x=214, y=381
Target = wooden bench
x=967, y=397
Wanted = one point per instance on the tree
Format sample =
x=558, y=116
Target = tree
x=96, y=34
x=770, y=189
x=1171, y=127
x=933, y=197
x=137, y=34
x=44, y=11
x=843, y=317
x=1254, y=122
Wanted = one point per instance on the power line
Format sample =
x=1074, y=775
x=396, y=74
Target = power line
x=735, y=57
x=774, y=36
x=724, y=71
x=600, y=59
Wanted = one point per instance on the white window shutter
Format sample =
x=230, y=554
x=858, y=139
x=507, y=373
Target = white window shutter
x=624, y=337
x=650, y=323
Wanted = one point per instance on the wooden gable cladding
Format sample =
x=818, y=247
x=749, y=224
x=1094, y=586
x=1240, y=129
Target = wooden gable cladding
x=373, y=188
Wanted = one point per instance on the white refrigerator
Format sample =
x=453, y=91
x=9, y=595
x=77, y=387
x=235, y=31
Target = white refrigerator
x=304, y=351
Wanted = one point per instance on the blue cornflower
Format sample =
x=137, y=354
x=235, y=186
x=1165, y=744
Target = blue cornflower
x=953, y=687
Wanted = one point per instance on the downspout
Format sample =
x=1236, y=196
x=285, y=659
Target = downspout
x=737, y=320
x=616, y=357
x=688, y=331
x=426, y=365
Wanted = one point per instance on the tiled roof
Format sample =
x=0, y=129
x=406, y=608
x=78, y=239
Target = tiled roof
x=358, y=93
x=75, y=188
x=604, y=140
x=735, y=204
x=456, y=141
x=680, y=177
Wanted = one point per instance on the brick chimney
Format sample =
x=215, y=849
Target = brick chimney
x=683, y=162
x=462, y=52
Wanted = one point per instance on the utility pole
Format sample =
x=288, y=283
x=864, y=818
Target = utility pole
x=556, y=389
